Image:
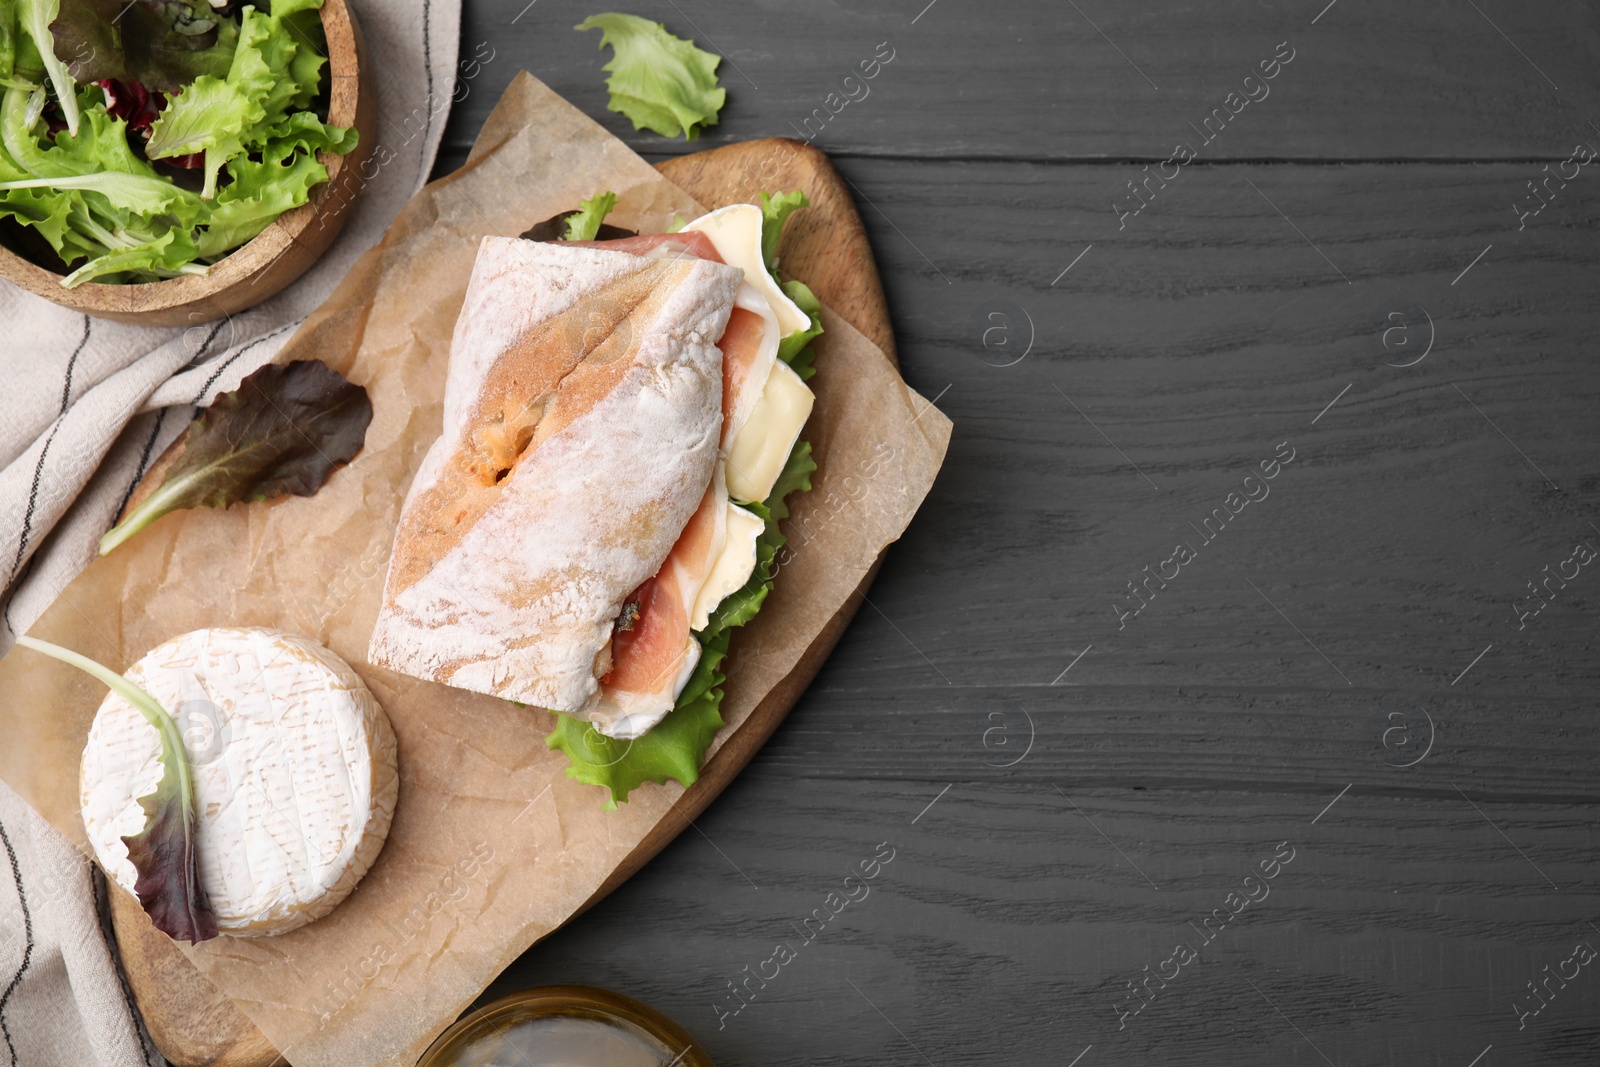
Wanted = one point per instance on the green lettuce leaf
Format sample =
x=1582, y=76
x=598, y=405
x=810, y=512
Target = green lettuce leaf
x=304, y=131
x=163, y=853
x=796, y=349
x=675, y=746
x=671, y=750
x=35, y=16
x=210, y=114
x=27, y=70
x=775, y=211
x=658, y=81
x=303, y=21
x=284, y=430
x=259, y=193
x=584, y=224
x=169, y=253
x=8, y=39
x=127, y=192
x=163, y=44
x=275, y=70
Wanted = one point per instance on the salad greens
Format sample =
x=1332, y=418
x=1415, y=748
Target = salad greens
x=585, y=223
x=674, y=747
x=161, y=44
x=775, y=211
x=660, y=82
x=34, y=17
x=284, y=430
x=95, y=157
x=163, y=853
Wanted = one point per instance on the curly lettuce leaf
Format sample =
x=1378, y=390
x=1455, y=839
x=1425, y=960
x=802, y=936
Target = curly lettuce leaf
x=775, y=211
x=259, y=193
x=671, y=750
x=275, y=70
x=162, y=44
x=284, y=430
x=304, y=131
x=796, y=349
x=675, y=746
x=658, y=81
x=584, y=224
x=169, y=252
x=163, y=853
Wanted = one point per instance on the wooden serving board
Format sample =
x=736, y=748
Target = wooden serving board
x=826, y=247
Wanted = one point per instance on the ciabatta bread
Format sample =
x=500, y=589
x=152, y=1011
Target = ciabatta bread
x=582, y=417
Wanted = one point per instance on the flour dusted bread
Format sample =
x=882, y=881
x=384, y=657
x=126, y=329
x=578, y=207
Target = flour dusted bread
x=583, y=414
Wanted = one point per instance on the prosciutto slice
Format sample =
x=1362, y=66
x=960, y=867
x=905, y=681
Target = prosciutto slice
x=654, y=657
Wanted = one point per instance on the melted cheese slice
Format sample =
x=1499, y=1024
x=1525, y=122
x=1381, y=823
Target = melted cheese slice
x=735, y=232
x=294, y=768
x=762, y=448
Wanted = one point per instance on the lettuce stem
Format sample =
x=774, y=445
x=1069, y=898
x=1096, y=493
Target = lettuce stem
x=154, y=506
x=173, y=753
x=37, y=16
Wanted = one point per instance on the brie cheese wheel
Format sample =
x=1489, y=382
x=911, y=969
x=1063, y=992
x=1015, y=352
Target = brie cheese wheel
x=294, y=769
x=735, y=232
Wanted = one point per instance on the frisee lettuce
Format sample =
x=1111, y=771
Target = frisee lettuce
x=164, y=852
x=660, y=82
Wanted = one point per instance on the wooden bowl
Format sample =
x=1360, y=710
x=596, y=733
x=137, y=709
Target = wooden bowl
x=274, y=257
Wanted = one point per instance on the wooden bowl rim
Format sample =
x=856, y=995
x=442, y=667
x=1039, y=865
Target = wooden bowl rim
x=251, y=258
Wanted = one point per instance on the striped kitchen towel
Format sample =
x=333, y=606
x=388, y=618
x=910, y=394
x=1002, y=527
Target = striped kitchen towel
x=88, y=404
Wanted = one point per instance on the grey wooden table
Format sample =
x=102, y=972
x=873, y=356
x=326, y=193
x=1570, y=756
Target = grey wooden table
x=1320, y=784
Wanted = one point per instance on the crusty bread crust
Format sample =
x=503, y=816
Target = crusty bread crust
x=581, y=425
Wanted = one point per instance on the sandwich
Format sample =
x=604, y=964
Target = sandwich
x=622, y=420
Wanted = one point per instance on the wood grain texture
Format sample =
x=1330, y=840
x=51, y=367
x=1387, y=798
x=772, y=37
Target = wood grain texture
x=273, y=258
x=1192, y=341
x=1185, y=347
x=1040, y=79
x=190, y=1022
x=193, y=1024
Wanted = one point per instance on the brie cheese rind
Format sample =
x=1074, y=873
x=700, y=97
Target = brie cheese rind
x=294, y=768
x=581, y=428
x=735, y=232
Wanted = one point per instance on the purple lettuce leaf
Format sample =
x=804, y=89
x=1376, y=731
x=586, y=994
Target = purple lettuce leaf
x=163, y=853
x=284, y=430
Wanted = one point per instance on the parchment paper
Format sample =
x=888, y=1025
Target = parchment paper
x=492, y=846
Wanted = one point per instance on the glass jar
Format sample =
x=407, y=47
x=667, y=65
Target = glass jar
x=565, y=1026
